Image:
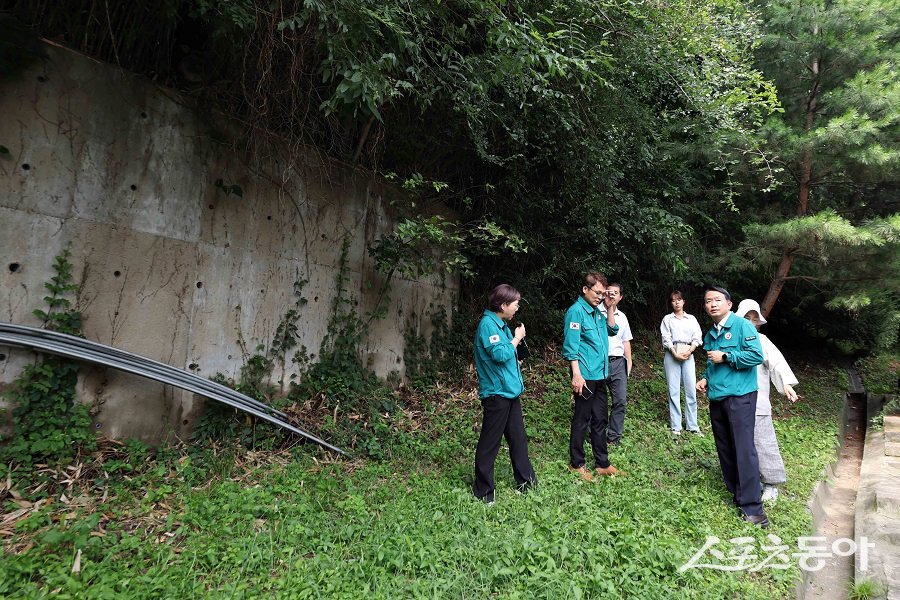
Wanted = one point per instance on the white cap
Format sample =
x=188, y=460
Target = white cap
x=746, y=306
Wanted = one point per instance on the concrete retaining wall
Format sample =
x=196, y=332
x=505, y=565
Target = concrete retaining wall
x=171, y=267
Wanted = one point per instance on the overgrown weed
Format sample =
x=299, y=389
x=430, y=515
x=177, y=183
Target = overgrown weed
x=218, y=519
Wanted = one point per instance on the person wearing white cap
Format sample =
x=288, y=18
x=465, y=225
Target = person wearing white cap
x=774, y=368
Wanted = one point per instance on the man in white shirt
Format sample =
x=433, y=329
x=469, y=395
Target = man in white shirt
x=619, y=366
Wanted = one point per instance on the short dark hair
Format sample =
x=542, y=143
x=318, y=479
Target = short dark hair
x=502, y=294
x=616, y=284
x=592, y=278
x=717, y=288
x=676, y=294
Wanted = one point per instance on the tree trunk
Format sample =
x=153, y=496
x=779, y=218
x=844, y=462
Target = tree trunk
x=803, y=187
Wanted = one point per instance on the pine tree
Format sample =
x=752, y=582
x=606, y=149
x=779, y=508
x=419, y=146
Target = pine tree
x=835, y=64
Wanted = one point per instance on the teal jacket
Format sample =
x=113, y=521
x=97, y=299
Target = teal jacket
x=740, y=340
x=586, y=339
x=495, y=359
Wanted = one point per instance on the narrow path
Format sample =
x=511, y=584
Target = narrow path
x=834, y=505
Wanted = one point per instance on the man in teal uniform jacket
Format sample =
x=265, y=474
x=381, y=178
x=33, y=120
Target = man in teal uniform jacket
x=586, y=347
x=733, y=352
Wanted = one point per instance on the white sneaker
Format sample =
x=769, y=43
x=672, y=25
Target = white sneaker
x=770, y=493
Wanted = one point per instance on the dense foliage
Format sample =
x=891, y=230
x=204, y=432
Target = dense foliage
x=655, y=141
x=828, y=234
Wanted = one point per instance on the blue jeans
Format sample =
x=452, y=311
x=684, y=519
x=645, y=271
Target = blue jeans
x=681, y=373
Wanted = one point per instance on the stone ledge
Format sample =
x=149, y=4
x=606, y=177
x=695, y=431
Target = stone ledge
x=856, y=385
x=878, y=515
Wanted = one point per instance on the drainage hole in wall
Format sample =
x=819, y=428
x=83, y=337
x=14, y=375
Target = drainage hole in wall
x=133, y=187
x=26, y=166
x=117, y=273
x=143, y=115
x=193, y=366
x=211, y=207
x=199, y=284
x=269, y=218
x=41, y=78
x=13, y=267
x=2, y=357
x=316, y=299
x=184, y=422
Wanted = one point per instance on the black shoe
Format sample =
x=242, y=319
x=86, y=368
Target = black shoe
x=612, y=442
x=758, y=520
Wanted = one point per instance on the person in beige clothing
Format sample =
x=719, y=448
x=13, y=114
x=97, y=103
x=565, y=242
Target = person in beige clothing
x=681, y=335
x=774, y=369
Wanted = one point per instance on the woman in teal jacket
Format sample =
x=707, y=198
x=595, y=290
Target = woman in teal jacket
x=499, y=387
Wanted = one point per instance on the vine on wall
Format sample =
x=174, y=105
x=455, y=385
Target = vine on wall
x=49, y=426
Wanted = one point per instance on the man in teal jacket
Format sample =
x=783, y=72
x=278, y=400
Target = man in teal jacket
x=733, y=352
x=586, y=347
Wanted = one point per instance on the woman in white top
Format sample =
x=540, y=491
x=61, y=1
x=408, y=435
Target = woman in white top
x=681, y=335
x=774, y=368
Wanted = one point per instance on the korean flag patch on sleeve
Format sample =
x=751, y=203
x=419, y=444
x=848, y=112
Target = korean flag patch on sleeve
x=494, y=339
x=574, y=325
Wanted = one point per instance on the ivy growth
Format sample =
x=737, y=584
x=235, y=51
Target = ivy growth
x=49, y=425
x=430, y=360
x=339, y=372
x=224, y=422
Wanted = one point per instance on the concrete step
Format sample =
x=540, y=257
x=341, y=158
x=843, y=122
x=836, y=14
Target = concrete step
x=892, y=424
x=878, y=510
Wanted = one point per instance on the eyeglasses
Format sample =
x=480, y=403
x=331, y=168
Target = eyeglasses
x=597, y=292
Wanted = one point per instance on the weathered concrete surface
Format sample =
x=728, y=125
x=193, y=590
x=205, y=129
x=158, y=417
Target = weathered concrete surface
x=832, y=505
x=169, y=266
x=878, y=510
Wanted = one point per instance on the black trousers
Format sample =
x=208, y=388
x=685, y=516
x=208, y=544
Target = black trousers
x=502, y=417
x=733, y=421
x=590, y=414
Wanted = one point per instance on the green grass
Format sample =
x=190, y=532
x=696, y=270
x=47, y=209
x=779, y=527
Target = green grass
x=866, y=590
x=299, y=525
x=880, y=373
